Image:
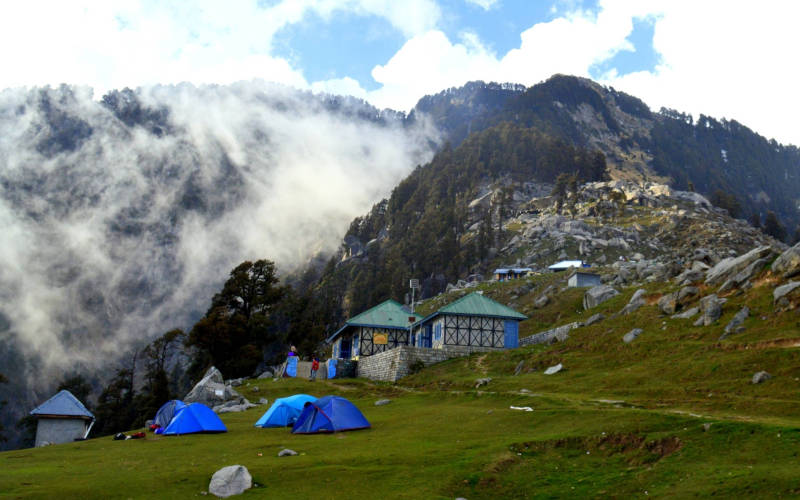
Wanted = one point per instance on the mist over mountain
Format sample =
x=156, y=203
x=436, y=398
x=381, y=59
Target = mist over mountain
x=121, y=216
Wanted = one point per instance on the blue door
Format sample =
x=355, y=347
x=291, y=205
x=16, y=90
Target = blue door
x=512, y=334
x=437, y=335
x=427, y=340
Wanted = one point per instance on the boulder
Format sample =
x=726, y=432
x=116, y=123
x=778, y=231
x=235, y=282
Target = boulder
x=782, y=291
x=668, y=303
x=635, y=303
x=594, y=319
x=744, y=275
x=482, y=381
x=788, y=263
x=597, y=295
x=211, y=390
x=554, y=369
x=736, y=322
x=286, y=452
x=557, y=334
x=689, y=313
x=230, y=480
x=266, y=374
x=729, y=267
x=687, y=293
x=631, y=335
x=711, y=307
x=761, y=376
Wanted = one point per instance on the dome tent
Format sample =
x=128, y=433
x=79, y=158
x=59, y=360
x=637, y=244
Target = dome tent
x=195, y=418
x=167, y=412
x=329, y=414
x=284, y=411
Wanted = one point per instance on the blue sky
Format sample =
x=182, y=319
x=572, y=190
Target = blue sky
x=716, y=57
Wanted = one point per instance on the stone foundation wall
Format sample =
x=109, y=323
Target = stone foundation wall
x=396, y=363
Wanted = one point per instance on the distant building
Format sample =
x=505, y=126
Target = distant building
x=583, y=279
x=502, y=274
x=61, y=419
x=373, y=331
x=471, y=321
x=566, y=264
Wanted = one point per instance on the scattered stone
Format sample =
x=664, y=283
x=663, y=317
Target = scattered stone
x=382, y=402
x=707, y=427
x=286, y=452
x=631, y=335
x=788, y=263
x=519, y=367
x=236, y=382
x=734, y=325
x=230, y=480
x=597, y=295
x=668, y=303
x=761, y=376
x=554, y=369
x=525, y=391
x=266, y=374
x=235, y=405
x=689, y=313
x=541, y=301
x=711, y=306
x=263, y=401
x=594, y=319
x=482, y=381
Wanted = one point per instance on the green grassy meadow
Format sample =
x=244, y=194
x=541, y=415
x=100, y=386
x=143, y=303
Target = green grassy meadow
x=672, y=414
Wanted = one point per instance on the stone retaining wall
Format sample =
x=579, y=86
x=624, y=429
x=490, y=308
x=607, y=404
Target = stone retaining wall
x=396, y=363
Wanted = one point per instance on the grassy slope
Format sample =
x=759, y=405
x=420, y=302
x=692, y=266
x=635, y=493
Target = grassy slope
x=440, y=438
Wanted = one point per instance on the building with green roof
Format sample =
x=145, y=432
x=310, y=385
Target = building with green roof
x=375, y=330
x=474, y=320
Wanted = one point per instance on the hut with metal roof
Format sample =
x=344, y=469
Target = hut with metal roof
x=375, y=330
x=61, y=419
x=474, y=320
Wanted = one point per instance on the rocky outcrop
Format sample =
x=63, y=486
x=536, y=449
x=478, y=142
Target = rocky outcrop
x=734, y=326
x=668, y=303
x=597, y=295
x=730, y=267
x=711, y=307
x=788, y=263
x=211, y=390
x=558, y=334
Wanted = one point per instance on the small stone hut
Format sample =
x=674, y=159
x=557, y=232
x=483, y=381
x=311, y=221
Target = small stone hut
x=375, y=330
x=581, y=279
x=61, y=419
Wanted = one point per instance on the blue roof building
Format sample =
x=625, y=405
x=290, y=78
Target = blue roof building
x=61, y=419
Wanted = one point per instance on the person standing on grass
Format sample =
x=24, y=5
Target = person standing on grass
x=314, y=367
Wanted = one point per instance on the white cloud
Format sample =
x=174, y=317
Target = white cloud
x=723, y=59
x=143, y=42
x=484, y=4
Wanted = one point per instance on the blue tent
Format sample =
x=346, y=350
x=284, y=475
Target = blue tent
x=193, y=418
x=329, y=414
x=284, y=411
x=165, y=414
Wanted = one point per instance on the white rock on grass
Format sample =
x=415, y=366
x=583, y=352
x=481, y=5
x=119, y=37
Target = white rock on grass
x=382, y=402
x=631, y=335
x=761, y=376
x=554, y=369
x=287, y=453
x=230, y=480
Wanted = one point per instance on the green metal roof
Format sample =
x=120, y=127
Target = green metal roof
x=389, y=314
x=479, y=305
